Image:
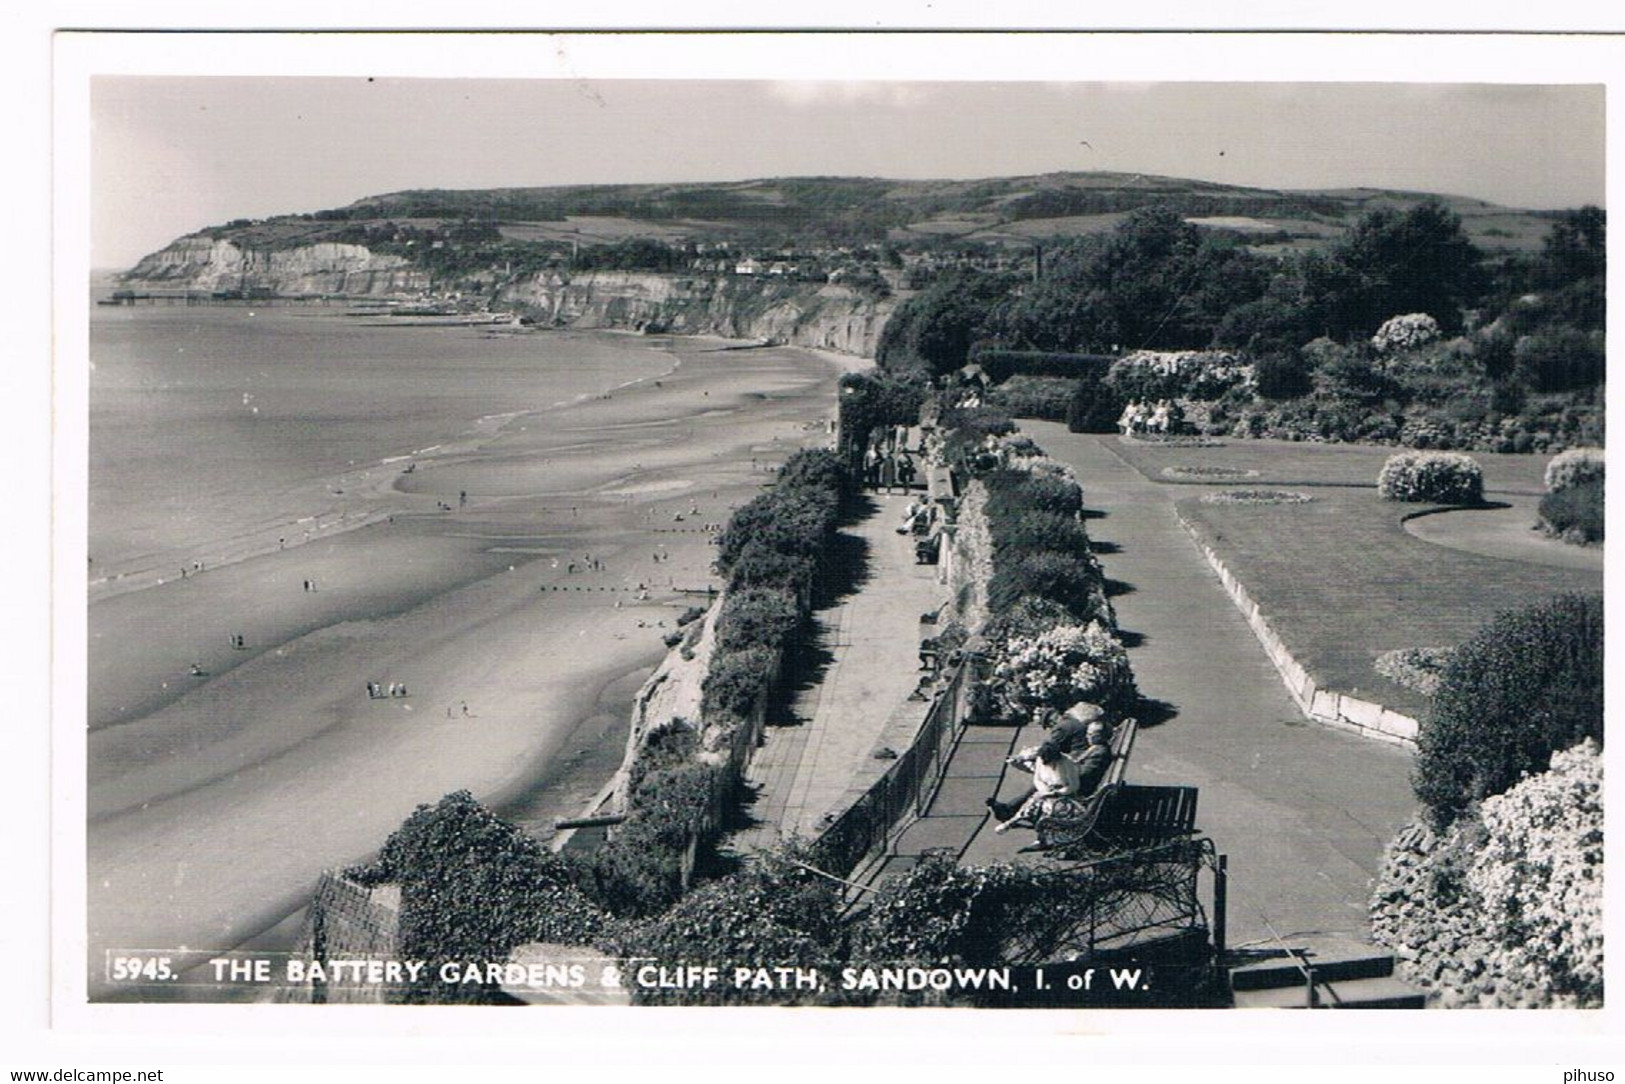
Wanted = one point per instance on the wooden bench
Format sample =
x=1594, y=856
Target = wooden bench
x=1119, y=815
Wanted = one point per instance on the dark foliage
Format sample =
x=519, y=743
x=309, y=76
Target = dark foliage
x=1577, y=510
x=771, y=914
x=473, y=887
x=1074, y=582
x=1528, y=684
x=1284, y=375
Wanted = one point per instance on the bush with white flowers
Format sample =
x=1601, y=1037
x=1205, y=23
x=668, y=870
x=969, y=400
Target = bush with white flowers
x=1439, y=477
x=1405, y=332
x=1061, y=666
x=1539, y=878
x=1573, y=467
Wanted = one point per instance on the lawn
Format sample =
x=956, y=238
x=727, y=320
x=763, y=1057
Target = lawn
x=1281, y=462
x=1339, y=578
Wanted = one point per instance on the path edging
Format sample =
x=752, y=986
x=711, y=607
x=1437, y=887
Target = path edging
x=1324, y=706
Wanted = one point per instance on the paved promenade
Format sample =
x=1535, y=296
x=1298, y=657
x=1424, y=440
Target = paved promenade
x=1304, y=812
x=871, y=635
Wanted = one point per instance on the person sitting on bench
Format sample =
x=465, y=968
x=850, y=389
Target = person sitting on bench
x=1091, y=762
x=1055, y=778
x=1071, y=733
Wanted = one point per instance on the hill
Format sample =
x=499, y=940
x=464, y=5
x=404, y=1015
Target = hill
x=808, y=211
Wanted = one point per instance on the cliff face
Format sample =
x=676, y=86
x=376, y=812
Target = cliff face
x=824, y=317
x=202, y=263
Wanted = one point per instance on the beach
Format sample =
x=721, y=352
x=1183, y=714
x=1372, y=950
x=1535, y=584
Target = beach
x=516, y=584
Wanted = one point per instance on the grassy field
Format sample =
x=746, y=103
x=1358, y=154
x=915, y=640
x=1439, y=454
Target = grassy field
x=1341, y=581
x=1280, y=462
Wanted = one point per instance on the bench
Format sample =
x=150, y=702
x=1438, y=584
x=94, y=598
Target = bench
x=1119, y=815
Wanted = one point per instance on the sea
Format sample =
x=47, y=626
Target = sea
x=215, y=429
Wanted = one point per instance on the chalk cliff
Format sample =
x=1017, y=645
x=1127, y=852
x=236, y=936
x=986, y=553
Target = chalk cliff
x=199, y=262
x=818, y=315
x=828, y=317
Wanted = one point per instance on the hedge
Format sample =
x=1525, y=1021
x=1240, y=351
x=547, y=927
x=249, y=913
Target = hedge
x=757, y=617
x=1437, y=477
x=1003, y=365
x=1528, y=684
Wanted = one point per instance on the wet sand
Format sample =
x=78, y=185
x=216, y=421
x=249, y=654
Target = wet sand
x=214, y=801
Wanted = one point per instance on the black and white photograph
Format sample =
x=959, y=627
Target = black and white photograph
x=538, y=526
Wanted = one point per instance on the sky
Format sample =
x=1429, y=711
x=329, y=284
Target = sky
x=169, y=155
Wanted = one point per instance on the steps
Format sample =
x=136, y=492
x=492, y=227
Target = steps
x=1348, y=974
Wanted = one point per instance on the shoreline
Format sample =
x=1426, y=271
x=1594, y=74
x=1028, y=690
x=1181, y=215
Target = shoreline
x=210, y=782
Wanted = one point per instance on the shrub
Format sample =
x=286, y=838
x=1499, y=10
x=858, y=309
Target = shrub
x=1559, y=359
x=1095, y=408
x=1575, y=512
x=1439, y=477
x=757, y=617
x=1400, y=333
x=1062, y=665
x=1033, y=531
x=1072, y=581
x=1046, y=397
x=1010, y=492
x=473, y=887
x=1283, y=376
x=736, y=681
x=1539, y=878
x=638, y=871
x=1529, y=683
x=666, y=747
x=772, y=914
x=758, y=564
x=1573, y=467
x=1007, y=365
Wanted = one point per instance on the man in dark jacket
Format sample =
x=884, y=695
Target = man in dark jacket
x=1092, y=755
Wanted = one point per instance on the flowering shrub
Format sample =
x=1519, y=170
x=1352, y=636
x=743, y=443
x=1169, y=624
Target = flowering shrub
x=1573, y=467
x=1183, y=374
x=1418, y=668
x=1406, y=332
x=1539, y=877
x=1439, y=477
x=1061, y=666
x=1504, y=908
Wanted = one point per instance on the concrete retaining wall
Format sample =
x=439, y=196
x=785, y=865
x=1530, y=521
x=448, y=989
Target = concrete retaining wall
x=347, y=921
x=1324, y=706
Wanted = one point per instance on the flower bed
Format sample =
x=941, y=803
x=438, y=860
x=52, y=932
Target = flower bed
x=1417, y=668
x=1184, y=470
x=1257, y=496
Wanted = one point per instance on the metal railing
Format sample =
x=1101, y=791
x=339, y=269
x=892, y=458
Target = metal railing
x=868, y=825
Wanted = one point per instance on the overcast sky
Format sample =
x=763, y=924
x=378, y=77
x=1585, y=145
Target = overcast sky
x=170, y=155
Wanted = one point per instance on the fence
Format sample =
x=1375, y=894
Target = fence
x=869, y=824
